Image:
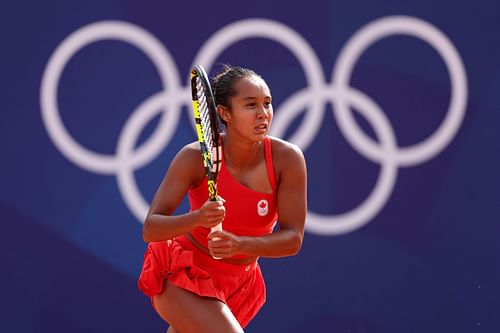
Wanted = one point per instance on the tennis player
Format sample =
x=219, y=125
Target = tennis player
x=262, y=182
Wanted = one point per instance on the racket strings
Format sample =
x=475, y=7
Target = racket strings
x=213, y=148
x=207, y=131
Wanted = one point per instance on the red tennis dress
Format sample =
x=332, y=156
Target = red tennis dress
x=241, y=287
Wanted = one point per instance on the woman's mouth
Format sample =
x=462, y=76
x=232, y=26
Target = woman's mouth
x=261, y=128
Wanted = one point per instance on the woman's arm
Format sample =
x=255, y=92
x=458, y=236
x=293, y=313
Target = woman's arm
x=185, y=171
x=291, y=174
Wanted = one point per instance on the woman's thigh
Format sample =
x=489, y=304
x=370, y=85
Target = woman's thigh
x=190, y=313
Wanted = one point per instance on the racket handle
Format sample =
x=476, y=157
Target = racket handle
x=218, y=227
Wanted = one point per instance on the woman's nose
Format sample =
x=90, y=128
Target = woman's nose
x=262, y=113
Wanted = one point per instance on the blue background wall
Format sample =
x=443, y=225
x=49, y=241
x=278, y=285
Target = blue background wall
x=424, y=258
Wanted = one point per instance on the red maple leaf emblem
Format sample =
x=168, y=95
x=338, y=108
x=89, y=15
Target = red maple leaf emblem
x=263, y=204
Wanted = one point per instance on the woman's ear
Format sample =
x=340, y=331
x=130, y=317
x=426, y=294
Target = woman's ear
x=223, y=112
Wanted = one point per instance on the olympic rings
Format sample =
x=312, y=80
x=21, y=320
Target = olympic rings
x=173, y=97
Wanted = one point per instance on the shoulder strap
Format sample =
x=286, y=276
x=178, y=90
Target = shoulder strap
x=269, y=162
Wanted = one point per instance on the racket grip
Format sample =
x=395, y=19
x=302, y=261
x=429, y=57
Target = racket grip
x=218, y=227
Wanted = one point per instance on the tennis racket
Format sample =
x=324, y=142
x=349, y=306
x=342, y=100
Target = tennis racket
x=207, y=127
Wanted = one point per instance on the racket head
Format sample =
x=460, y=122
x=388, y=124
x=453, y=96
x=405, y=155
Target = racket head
x=207, y=126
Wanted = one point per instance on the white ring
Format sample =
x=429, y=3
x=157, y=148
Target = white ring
x=358, y=43
x=134, y=35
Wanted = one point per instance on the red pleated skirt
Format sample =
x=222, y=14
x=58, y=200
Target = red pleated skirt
x=241, y=287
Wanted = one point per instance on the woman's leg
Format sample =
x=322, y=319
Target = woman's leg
x=190, y=313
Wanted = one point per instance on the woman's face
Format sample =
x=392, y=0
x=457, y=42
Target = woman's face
x=251, y=109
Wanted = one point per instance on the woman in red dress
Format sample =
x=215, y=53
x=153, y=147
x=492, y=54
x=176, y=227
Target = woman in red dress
x=262, y=182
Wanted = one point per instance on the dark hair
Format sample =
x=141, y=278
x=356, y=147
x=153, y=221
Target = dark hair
x=223, y=83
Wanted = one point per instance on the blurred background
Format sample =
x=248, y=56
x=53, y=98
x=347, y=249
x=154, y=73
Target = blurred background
x=396, y=105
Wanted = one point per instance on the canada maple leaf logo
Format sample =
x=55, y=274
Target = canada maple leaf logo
x=262, y=207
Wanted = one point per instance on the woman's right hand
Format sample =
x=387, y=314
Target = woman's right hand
x=211, y=213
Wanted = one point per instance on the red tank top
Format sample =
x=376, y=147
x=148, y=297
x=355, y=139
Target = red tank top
x=248, y=212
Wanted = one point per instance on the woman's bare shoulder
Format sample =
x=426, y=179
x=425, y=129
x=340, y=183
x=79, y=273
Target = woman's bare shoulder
x=186, y=166
x=285, y=150
x=191, y=149
x=289, y=167
x=189, y=157
x=288, y=159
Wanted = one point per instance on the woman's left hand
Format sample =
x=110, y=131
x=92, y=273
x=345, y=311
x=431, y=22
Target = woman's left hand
x=223, y=244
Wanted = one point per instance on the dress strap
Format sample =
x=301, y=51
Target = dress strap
x=269, y=162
